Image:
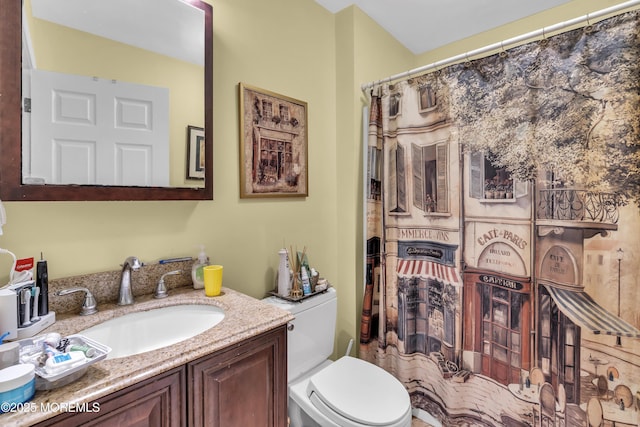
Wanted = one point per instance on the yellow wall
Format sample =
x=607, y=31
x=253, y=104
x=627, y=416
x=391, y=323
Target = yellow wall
x=295, y=48
x=284, y=46
x=364, y=51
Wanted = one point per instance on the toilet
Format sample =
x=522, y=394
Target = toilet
x=349, y=392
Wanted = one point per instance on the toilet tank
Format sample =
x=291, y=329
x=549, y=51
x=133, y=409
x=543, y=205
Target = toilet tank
x=311, y=334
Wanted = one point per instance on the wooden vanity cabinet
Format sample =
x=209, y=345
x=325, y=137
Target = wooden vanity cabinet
x=157, y=402
x=243, y=385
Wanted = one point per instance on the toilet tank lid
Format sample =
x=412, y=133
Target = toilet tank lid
x=361, y=392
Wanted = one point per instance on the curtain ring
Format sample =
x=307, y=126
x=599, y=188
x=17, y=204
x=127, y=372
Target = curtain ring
x=467, y=63
x=503, y=53
x=409, y=78
x=589, y=28
x=544, y=40
x=436, y=70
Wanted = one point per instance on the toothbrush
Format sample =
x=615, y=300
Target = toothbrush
x=170, y=260
x=25, y=295
x=35, y=292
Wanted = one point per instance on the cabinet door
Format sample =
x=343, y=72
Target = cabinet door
x=244, y=385
x=157, y=402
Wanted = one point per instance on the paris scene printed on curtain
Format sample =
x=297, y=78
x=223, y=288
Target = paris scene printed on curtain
x=503, y=225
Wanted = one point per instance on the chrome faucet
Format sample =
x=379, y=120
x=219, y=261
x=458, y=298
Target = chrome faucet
x=126, y=297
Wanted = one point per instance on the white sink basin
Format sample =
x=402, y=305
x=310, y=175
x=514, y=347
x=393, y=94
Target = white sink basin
x=142, y=331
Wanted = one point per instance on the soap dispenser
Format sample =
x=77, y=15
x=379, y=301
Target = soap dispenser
x=197, y=274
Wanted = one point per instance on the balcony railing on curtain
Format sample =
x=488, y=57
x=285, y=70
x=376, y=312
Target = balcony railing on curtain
x=577, y=205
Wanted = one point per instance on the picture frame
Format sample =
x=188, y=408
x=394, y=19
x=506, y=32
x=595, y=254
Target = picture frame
x=273, y=144
x=195, y=152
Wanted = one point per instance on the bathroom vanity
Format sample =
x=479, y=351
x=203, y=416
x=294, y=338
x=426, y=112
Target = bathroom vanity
x=234, y=374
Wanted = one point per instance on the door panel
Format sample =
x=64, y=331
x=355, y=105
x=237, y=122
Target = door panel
x=95, y=131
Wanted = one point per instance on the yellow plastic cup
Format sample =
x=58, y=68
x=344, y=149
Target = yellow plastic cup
x=212, y=280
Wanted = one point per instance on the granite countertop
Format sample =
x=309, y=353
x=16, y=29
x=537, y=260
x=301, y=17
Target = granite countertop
x=245, y=317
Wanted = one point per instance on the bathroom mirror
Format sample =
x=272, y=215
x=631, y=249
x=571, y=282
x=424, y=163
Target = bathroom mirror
x=193, y=110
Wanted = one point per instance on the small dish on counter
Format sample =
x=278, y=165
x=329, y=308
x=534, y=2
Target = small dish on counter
x=73, y=355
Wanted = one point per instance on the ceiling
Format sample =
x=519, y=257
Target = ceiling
x=423, y=25
x=419, y=25
x=175, y=28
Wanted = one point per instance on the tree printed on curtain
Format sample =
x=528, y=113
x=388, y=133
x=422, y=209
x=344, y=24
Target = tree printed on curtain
x=503, y=218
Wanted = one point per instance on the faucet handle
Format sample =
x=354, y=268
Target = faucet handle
x=161, y=289
x=88, y=305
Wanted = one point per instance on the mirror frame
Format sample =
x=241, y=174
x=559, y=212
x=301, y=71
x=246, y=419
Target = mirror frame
x=11, y=186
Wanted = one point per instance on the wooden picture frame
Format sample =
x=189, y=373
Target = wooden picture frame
x=195, y=153
x=273, y=144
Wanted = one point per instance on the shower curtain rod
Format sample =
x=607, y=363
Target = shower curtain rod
x=501, y=45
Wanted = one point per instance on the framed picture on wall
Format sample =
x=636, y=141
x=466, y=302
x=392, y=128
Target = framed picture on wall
x=195, y=152
x=273, y=144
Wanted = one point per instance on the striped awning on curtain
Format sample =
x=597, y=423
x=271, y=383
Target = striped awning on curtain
x=415, y=267
x=586, y=313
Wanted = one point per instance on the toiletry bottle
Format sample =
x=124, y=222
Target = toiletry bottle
x=306, y=284
x=283, y=274
x=63, y=361
x=197, y=275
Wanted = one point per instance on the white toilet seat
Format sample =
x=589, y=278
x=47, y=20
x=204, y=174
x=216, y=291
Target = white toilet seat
x=354, y=393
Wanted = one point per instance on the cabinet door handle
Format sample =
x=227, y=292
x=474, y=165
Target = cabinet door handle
x=290, y=327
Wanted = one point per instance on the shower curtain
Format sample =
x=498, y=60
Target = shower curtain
x=503, y=214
